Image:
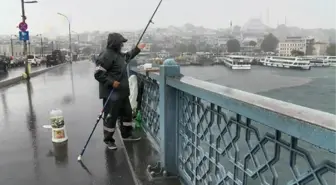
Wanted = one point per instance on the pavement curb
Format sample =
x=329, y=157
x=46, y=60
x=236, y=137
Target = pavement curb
x=134, y=176
x=18, y=79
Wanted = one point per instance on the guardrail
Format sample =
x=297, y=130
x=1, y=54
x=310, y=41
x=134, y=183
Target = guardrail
x=211, y=134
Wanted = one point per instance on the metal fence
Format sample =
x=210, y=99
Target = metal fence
x=210, y=134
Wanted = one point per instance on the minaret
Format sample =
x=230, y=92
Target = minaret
x=285, y=21
x=267, y=18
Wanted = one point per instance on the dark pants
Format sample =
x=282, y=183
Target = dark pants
x=115, y=109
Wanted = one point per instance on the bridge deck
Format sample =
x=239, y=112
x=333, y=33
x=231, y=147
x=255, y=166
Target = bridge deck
x=27, y=155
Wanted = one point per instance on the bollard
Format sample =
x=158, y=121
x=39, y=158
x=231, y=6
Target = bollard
x=29, y=69
x=24, y=75
x=58, y=132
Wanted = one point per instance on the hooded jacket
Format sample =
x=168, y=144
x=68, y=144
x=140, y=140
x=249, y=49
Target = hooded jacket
x=111, y=66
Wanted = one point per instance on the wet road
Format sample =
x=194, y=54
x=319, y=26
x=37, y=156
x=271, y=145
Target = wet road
x=14, y=72
x=27, y=155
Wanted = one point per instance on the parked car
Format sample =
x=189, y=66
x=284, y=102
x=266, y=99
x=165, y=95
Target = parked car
x=21, y=61
x=34, y=60
x=4, y=63
x=51, y=61
x=44, y=60
x=14, y=62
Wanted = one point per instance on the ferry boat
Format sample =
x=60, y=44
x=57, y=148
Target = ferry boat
x=237, y=62
x=286, y=62
x=331, y=60
x=316, y=61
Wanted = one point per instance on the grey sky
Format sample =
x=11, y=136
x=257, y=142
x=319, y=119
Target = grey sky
x=104, y=15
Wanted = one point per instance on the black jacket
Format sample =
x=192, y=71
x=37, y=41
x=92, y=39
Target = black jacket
x=110, y=66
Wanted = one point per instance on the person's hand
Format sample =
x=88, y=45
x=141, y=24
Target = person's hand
x=115, y=84
x=142, y=45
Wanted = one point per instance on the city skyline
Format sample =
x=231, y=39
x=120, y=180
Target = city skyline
x=42, y=17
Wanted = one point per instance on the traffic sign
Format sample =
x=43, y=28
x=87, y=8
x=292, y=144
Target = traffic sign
x=23, y=26
x=24, y=35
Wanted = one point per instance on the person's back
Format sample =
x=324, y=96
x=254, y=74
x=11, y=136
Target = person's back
x=114, y=62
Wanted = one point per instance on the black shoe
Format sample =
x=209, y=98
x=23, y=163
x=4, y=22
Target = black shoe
x=131, y=138
x=111, y=145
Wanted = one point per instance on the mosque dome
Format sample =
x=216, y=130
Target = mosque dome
x=254, y=26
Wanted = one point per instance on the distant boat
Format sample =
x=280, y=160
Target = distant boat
x=237, y=62
x=316, y=61
x=286, y=62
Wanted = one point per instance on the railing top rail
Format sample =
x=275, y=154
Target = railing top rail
x=314, y=126
x=312, y=116
x=153, y=75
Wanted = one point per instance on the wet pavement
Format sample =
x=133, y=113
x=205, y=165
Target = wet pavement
x=14, y=72
x=27, y=155
x=143, y=154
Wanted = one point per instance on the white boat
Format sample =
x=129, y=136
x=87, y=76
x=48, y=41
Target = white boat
x=316, y=61
x=286, y=62
x=237, y=62
x=331, y=60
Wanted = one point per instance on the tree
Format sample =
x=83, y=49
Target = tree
x=181, y=48
x=233, y=45
x=309, y=50
x=270, y=43
x=155, y=48
x=207, y=48
x=87, y=51
x=331, y=50
x=192, y=48
x=297, y=53
x=252, y=43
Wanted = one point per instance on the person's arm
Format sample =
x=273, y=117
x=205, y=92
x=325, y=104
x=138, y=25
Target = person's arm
x=131, y=54
x=101, y=74
x=134, y=52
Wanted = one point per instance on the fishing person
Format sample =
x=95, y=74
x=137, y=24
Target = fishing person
x=111, y=74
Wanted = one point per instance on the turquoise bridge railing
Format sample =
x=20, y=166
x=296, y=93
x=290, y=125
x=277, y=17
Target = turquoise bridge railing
x=215, y=135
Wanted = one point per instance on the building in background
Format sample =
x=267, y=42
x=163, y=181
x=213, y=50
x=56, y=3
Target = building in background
x=320, y=48
x=6, y=49
x=304, y=44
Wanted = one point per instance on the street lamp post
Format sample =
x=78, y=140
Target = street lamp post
x=41, y=51
x=12, y=47
x=69, y=35
x=25, y=42
x=29, y=48
x=77, y=36
x=77, y=39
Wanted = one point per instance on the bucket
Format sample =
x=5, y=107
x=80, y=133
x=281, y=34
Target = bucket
x=58, y=129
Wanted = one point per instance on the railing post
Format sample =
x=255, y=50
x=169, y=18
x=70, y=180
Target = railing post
x=168, y=116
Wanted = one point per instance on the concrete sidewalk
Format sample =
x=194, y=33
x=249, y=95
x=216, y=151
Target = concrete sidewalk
x=27, y=155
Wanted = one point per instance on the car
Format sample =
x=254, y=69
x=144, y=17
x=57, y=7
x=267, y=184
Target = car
x=34, y=60
x=4, y=63
x=14, y=62
x=44, y=60
x=51, y=60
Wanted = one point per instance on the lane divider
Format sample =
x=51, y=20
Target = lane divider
x=18, y=79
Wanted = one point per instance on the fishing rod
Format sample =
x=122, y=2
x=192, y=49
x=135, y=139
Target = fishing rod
x=79, y=158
